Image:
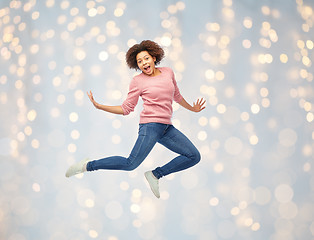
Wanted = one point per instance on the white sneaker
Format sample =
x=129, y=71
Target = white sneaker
x=77, y=168
x=153, y=183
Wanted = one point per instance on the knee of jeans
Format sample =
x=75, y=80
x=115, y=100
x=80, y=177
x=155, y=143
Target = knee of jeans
x=131, y=166
x=196, y=156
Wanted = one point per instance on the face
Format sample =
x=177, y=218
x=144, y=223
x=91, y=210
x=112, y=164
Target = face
x=146, y=63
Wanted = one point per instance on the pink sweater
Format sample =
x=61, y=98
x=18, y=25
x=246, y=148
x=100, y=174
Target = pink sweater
x=157, y=93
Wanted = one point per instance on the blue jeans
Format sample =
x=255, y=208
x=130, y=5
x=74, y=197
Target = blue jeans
x=149, y=134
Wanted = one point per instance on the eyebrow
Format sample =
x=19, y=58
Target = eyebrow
x=142, y=57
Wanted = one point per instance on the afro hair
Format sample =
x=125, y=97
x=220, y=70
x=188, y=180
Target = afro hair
x=147, y=45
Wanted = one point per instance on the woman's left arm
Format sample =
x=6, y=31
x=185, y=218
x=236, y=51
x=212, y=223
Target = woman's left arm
x=197, y=107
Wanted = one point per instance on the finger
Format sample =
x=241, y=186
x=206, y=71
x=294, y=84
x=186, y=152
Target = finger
x=90, y=97
x=203, y=102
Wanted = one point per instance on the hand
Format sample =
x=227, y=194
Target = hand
x=199, y=105
x=91, y=98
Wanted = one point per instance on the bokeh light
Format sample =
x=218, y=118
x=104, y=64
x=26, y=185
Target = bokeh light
x=251, y=60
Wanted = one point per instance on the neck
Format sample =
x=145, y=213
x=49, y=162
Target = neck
x=156, y=72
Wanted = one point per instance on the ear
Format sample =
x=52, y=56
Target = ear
x=154, y=58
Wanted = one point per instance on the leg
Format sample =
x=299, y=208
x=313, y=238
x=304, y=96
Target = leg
x=177, y=142
x=147, y=138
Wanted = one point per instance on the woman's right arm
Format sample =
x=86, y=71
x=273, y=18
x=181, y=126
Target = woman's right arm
x=110, y=109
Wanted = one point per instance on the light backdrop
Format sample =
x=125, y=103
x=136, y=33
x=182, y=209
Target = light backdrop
x=251, y=60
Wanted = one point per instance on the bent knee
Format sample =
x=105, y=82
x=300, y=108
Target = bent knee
x=130, y=167
x=196, y=156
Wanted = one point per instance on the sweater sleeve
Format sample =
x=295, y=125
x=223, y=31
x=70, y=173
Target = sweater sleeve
x=131, y=101
x=177, y=95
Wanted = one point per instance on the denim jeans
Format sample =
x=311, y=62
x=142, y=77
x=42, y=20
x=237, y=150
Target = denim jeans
x=149, y=134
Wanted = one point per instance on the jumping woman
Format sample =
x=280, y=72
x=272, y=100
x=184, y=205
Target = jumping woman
x=158, y=88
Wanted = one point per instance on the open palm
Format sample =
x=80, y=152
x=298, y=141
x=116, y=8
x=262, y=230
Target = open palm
x=199, y=105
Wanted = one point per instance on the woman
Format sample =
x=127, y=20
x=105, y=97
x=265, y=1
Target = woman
x=158, y=88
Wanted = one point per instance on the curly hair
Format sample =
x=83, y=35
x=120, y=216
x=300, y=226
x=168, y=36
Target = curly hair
x=151, y=47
